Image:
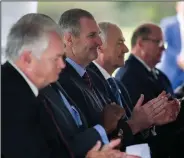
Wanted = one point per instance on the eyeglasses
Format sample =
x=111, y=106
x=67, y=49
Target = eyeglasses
x=160, y=43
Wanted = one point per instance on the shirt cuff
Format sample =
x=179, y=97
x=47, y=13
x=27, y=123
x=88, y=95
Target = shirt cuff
x=102, y=133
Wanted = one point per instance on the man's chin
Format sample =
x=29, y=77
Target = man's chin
x=120, y=63
x=55, y=79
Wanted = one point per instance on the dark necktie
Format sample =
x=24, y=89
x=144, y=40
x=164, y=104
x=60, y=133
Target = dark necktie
x=57, y=128
x=121, y=101
x=87, y=80
x=118, y=95
x=94, y=91
x=154, y=74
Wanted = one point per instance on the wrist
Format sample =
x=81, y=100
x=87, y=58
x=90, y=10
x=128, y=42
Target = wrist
x=134, y=127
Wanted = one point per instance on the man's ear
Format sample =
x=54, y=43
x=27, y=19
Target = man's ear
x=139, y=42
x=100, y=49
x=68, y=39
x=26, y=57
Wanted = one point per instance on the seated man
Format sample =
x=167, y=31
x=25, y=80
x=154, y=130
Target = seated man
x=29, y=52
x=111, y=56
x=81, y=36
x=140, y=76
x=80, y=33
x=29, y=129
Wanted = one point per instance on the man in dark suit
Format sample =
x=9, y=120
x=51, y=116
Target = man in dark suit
x=173, y=29
x=70, y=119
x=140, y=76
x=34, y=52
x=35, y=59
x=81, y=36
x=110, y=57
x=76, y=131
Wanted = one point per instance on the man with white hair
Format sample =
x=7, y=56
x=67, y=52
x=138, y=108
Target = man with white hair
x=34, y=54
x=110, y=57
x=34, y=60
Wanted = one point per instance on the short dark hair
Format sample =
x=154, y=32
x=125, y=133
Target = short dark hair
x=69, y=20
x=142, y=31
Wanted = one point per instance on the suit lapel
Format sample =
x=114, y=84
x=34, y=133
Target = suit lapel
x=164, y=83
x=79, y=82
x=122, y=90
x=75, y=76
x=94, y=68
x=149, y=80
x=18, y=78
x=84, y=122
x=77, y=79
x=125, y=98
x=57, y=104
x=158, y=85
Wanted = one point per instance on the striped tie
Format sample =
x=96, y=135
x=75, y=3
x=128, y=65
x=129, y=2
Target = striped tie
x=87, y=80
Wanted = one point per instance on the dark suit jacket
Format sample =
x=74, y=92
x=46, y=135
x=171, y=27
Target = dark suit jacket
x=125, y=98
x=90, y=105
x=27, y=129
x=138, y=80
x=101, y=83
x=75, y=136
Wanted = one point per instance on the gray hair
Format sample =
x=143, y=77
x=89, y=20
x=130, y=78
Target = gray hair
x=30, y=33
x=70, y=20
x=104, y=26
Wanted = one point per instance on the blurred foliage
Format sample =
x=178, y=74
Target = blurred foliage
x=128, y=15
x=139, y=12
x=125, y=13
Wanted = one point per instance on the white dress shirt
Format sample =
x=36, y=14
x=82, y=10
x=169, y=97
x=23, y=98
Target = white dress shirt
x=103, y=71
x=154, y=71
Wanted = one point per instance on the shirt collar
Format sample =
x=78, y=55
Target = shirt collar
x=146, y=66
x=80, y=70
x=103, y=71
x=31, y=85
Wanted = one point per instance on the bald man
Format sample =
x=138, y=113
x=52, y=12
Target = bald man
x=140, y=76
x=111, y=56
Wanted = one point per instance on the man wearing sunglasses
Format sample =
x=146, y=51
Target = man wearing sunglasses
x=140, y=76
